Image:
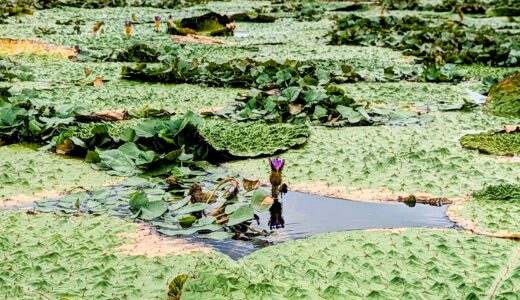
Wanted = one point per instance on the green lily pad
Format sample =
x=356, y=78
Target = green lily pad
x=258, y=196
x=192, y=208
x=153, y=209
x=138, y=200
x=217, y=235
x=242, y=214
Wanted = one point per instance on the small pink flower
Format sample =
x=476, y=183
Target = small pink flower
x=276, y=164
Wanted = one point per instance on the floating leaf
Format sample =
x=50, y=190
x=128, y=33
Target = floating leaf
x=138, y=200
x=242, y=214
x=153, y=209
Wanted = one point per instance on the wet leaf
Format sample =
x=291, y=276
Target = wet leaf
x=138, y=200
x=242, y=214
x=153, y=209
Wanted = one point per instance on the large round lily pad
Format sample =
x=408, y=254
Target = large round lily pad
x=250, y=139
x=504, y=97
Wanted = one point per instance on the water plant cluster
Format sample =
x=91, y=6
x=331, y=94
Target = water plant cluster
x=435, y=42
x=133, y=123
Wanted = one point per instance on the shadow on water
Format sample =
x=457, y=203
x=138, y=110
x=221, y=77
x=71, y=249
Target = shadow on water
x=306, y=215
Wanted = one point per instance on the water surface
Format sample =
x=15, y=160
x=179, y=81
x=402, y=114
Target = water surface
x=307, y=215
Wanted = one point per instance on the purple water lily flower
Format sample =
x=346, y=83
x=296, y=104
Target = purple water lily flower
x=276, y=164
x=157, y=18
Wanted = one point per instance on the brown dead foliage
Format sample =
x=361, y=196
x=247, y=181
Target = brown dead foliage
x=199, y=39
x=111, y=115
x=24, y=46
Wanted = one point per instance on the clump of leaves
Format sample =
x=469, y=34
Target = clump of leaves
x=490, y=8
x=501, y=192
x=175, y=287
x=289, y=92
x=138, y=53
x=400, y=5
x=434, y=43
x=42, y=30
x=211, y=24
x=44, y=4
x=29, y=120
x=302, y=10
x=504, y=97
x=144, y=145
x=11, y=70
x=497, y=143
x=250, y=139
x=253, y=17
x=216, y=208
x=15, y=8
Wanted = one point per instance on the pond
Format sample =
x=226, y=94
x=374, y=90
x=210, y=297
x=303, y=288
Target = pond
x=307, y=215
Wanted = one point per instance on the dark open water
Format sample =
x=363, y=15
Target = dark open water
x=307, y=215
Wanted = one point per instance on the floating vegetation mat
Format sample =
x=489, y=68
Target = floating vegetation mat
x=432, y=41
x=179, y=98
x=250, y=139
x=25, y=172
x=497, y=143
x=15, y=47
x=61, y=257
x=408, y=159
x=407, y=263
x=494, y=211
x=349, y=264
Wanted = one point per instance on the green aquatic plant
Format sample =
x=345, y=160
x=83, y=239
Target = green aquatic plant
x=177, y=206
x=51, y=257
x=250, y=139
x=411, y=159
x=175, y=287
x=497, y=143
x=212, y=24
x=502, y=192
x=495, y=216
x=434, y=42
x=369, y=264
x=10, y=70
x=15, y=8
x=25, y=171
x=495, y=209
x=504, y=97
x=253, y=17
x=301, y=10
